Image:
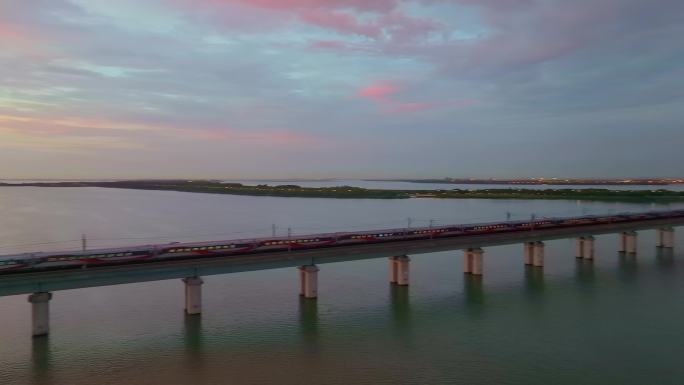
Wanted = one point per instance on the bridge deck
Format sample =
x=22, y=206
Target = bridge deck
x=31, y=282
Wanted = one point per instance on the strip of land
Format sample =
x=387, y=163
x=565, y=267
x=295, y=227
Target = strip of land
x=545, y=181
x=349, y=192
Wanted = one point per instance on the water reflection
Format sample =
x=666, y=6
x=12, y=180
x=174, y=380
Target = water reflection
x=534, y=281
x=665, y=259
x=627, y=267
x=309, y=324
x=40, y=360
x=585, y=277
x=193, y=334
x=400, y=307
x=584, y=272
x=193, y=343
x=473, y=295
x=473, y=290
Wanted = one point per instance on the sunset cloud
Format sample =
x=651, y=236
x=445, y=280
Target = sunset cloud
x=380, y=91
x=386, y=95
x=338, y=84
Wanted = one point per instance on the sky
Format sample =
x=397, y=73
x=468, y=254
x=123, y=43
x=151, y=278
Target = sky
x=341, y=88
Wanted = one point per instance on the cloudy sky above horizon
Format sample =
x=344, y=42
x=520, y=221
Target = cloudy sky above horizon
x=341, y=88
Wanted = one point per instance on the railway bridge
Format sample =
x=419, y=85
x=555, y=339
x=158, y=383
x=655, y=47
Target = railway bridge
x=41, y=274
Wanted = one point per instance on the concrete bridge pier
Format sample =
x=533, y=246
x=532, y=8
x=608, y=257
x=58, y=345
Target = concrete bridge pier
x=580, y=248
x=468, y=261
x=585, y=247
x=393, y=269
x=538, y=257
x=399, y=270
x=628, y=242
x=308, y=279
x=666, y=237
x=529, y=253
x=193, y=295
x=473, y=261
x=40, y=313
x=478, y=261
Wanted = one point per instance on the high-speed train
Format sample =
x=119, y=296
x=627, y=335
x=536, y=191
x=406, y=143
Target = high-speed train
x=146, y=253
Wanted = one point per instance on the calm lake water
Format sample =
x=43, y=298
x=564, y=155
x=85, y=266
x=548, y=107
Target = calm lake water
x=617, y=320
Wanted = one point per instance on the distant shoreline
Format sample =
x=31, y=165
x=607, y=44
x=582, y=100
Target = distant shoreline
x=549, y=182
x=453, y=181
x=349, y=192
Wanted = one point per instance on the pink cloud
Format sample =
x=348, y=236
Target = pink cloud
x=329, y=44
x=376, y=19
x=342, y=22
x=360, y=5
x=402, y=28
x=384, y=94
x=379, y=91
x=71, y=126
x=14, y=36
x=10, y=31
